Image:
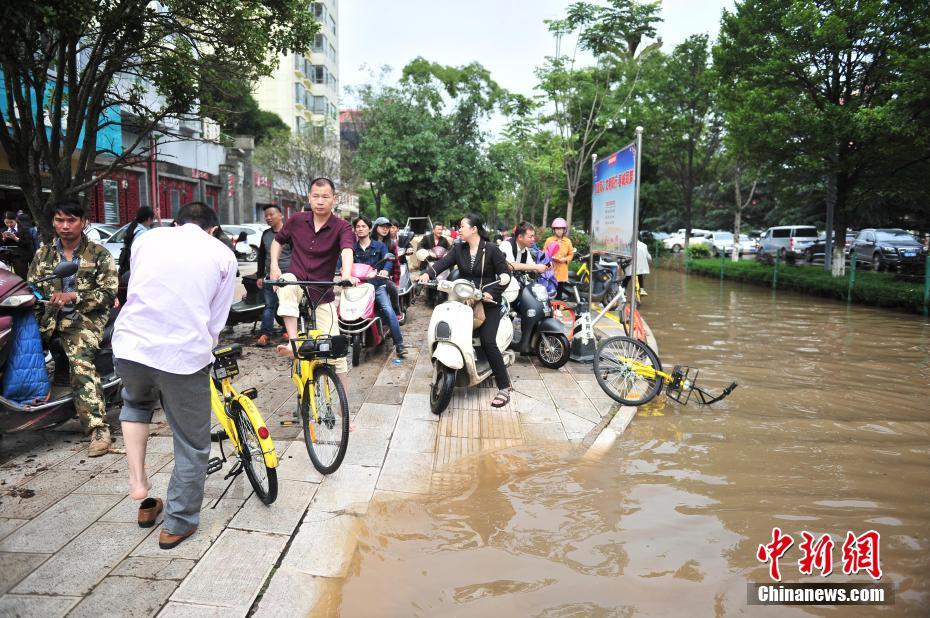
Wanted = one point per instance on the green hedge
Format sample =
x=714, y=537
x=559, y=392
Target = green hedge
x=877, y=289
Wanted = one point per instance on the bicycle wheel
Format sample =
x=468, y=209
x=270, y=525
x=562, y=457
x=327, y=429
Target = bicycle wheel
x=626, y=370
x=264, y=480
x=639, y=326
x=327, y=435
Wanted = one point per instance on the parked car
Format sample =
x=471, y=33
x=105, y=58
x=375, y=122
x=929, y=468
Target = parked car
x=114, y=244
x=788, y=240
x=887, y=249
x=103, y=230
x=676, y=242
x=748, y=245
x=253, y=239
x=722, y=243
x=816, y=250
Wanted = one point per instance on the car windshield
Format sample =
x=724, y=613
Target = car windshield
x=896, y=235
x=723, y=236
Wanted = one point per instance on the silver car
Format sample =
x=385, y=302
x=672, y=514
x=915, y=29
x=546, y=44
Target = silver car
x=787, y=240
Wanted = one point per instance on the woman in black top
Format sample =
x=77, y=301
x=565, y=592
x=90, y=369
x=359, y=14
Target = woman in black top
x=481, y=262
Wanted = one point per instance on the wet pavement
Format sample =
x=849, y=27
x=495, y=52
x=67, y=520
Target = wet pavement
x=69, y=544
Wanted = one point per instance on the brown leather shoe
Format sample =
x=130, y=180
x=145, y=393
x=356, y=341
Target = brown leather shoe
x=166, y=540
x=149, y=511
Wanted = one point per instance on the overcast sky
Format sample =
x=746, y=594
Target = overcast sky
x=508, y=37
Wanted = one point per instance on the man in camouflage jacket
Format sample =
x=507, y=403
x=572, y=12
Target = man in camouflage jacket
x=77, y=311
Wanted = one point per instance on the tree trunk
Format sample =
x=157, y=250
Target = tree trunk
x=568, y=212
x=840, y=219
x=738, y=196
x=545, y=218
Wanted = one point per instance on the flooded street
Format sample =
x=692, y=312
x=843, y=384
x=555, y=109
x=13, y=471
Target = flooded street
x=828, y=432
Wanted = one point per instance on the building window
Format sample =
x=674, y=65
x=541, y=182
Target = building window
x=211, y=202
x=319, y=74
x=298, y=62
x=298, y=123
x=319, y=11
x=332, y=52
x=299, y=94
x=111, y=201
x=332, y=24
x=319, y=42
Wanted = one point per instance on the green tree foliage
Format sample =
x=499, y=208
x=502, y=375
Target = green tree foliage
x=83, y=64
x=587, y=102
x=830, y=92
x=682, y=127
x=421, y=144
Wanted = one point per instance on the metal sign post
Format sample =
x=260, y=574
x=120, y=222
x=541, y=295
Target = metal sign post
x=635, y=248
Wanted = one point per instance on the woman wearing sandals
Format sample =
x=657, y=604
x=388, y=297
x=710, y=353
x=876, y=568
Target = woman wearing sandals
x=481, y=262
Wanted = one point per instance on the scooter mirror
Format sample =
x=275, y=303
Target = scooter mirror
x=390, y=257
x=242, y=237
x=503, y=279
x=65, y=269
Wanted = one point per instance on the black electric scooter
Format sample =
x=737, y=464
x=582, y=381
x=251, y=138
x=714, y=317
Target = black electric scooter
x=535, y=331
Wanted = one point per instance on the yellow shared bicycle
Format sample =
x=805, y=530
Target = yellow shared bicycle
x=243, y=426
x=322, y=404
x=630, y=372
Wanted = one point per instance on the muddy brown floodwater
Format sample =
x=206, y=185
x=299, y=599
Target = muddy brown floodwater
x=828, y=432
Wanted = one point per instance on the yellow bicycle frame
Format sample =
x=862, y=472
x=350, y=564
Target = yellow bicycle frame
x=302, y=375
x=219, y=401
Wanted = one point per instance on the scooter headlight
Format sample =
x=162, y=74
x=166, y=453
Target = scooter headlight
x=16, y=301
x=463, y=291
x=540, y=292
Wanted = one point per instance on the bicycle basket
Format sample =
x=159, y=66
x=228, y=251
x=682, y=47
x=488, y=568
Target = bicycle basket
x=682, y=383
x=225, y=367
x=324, y=346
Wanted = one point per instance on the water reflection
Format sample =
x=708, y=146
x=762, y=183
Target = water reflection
x=828, y=432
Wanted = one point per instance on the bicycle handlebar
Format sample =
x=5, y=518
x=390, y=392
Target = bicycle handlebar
x=283, y=282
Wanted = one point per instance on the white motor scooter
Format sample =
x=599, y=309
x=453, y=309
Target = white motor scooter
x=458, y=358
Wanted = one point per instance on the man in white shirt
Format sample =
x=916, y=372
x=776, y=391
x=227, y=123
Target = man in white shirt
x=180, y=290
x=517, y=253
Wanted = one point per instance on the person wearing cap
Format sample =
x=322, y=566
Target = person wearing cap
x=563, y=256
x=382, y=232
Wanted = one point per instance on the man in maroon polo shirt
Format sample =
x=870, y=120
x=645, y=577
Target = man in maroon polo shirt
x=317, y=239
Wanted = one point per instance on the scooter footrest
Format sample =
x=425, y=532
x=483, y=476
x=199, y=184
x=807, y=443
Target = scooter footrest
x=214, y=465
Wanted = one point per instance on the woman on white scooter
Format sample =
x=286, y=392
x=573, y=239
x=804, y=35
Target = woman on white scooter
x=482, y=263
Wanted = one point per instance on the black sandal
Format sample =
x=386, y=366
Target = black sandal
x=502, y=396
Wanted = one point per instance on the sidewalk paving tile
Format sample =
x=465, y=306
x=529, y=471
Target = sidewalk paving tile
x=347, y=489
x=115, y=479
x=452, y=448
x=233, y=571
x=416, y=407
x=539, y=412
x=414, y=436
x=154, y=568
x=9, y=525
x=212, y=523
x=324, y=544
x=15, y=567
x=190, y=610
x=575, y=426
x=295, y=463
x=282, y=516
x=129, y=597
x=28, y=606
x=377, y=416
x=55, y=527
x=544, y=432
x=579, y=406
x=49, y=488
x=295, y=593
x=367, y=447
x=97, y=550
x=404, y=471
